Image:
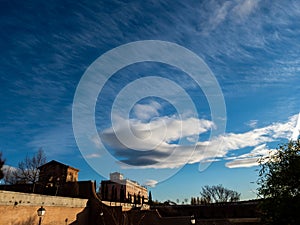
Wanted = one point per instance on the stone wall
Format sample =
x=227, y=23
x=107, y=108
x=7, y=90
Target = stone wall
x=21, y=209
x=243, y=209
x=80, y=189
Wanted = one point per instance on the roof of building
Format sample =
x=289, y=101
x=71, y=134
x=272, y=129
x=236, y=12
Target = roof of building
x=54, y=162
x=122, y=180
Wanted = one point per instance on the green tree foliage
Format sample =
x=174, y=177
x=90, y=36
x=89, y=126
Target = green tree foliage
x=218, y=193
x=279, y=185
x=2, y=161
x=150, y=201
x=196, y=201
x=193, y=201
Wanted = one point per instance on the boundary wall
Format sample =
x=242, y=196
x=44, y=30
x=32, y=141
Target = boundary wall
x=21, y=209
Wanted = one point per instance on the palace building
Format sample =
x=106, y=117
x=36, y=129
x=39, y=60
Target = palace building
x=55, y=172
x=118, y=189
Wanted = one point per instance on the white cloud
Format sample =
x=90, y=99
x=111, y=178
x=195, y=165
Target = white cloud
x=92, y=156
x=158, y=151
x=245, y=8
x=217, y=17
x=156, y=134
x=220, y=15
x=245, y=162
x=7, y=170
x=95, y=140
x=151, y=183
x=238, y=11
x=249, y=159
x=296, y=131
x=146, y=111
x=277, y=130
x=252, y=123
x=7, y=167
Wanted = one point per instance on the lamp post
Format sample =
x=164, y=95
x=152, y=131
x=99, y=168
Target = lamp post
x=193, y=221
x=41, y=212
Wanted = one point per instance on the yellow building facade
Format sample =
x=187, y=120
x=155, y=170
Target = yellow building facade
x=118, y=189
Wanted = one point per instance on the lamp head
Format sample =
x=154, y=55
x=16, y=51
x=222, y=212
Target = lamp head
x=193, y=220
x=41, y=211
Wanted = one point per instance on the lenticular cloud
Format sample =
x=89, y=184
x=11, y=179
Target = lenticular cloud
x=166, y=143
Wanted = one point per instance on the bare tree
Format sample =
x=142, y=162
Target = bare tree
x=2, y=161
x=27, y=171
x=214, y=194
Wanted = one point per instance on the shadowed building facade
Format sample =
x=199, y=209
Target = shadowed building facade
x=56, y=179
x=118, y=189
x=56, y=173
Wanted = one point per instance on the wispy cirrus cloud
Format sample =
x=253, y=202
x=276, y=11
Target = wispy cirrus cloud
x=245, y=8
x=92, y=156
x=252, y=123
x=219, y=15
x=228, y=10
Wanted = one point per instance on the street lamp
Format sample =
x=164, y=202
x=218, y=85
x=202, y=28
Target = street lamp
x=41, y=212
x=193, y=221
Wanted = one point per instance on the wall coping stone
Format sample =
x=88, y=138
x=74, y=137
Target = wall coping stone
x=28, y=199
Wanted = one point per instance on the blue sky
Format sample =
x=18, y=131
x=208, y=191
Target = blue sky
x=249, y=49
